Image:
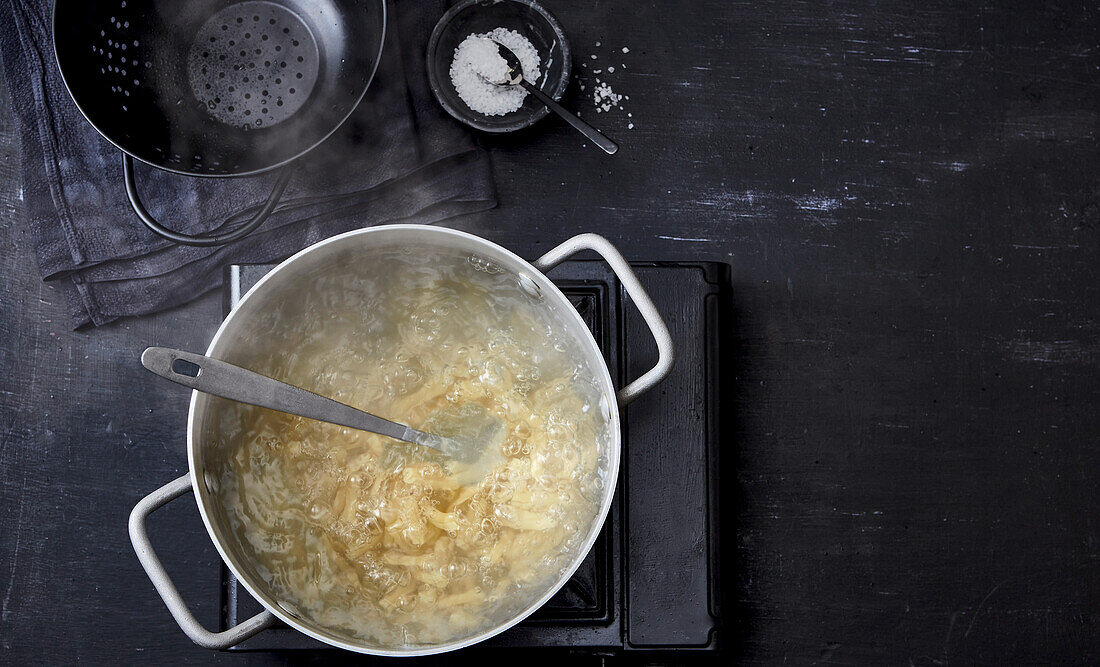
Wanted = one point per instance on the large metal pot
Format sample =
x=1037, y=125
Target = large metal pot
x=235, y=332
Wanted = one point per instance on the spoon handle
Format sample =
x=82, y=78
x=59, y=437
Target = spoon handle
x=584, y=128
x=221, y=378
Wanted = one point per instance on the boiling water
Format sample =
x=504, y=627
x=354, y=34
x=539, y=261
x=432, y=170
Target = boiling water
x=379, y=541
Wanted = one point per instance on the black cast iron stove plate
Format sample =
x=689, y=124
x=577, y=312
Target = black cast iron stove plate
x=651, y=582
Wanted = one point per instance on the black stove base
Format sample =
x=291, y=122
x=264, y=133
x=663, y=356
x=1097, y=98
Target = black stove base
x=651, y=585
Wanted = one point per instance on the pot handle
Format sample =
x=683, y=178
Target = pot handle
x=164, y=585
x=637, y=293
x=190, y=239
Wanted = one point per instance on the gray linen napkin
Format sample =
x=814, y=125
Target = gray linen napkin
x=398, y=158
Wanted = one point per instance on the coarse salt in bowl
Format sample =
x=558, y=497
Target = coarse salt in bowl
x=525, y=18
x=478, y=63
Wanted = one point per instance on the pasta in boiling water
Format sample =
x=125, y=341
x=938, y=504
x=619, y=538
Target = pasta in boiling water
x=388, y=543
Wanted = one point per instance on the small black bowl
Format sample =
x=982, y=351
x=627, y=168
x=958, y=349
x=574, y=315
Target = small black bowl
x=526, y=17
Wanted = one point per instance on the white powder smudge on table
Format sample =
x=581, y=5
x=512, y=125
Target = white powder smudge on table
x=476, y=55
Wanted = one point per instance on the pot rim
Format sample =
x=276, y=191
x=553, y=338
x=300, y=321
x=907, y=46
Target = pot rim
x=613, y=452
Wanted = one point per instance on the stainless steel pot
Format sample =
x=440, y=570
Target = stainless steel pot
x=233, y=332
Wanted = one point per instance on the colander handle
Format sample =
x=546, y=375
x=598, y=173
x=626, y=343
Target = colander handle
x=168, y=592
x=197, y=240
x=636, y=292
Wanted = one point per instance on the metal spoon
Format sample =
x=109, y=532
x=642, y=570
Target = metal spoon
x=220, y=378
x=515, y=77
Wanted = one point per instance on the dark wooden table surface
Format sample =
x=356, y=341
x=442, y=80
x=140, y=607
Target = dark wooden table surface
x=909, y=196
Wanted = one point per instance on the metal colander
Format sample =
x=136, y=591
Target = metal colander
x=214, y=87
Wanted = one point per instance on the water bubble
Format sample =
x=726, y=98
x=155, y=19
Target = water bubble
x=512, y=448
x=373, y=528
x=500, y=490
x=457, y=568
x=317, y=511
x=489, y=526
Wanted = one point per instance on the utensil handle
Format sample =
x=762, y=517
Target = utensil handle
x=198, y=240
x=168, y=591
x=584, y=128
x=636, y=292
x=221, y=378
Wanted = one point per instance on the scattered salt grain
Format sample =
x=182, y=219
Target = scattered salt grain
x=477, y=57
x=605, y=98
